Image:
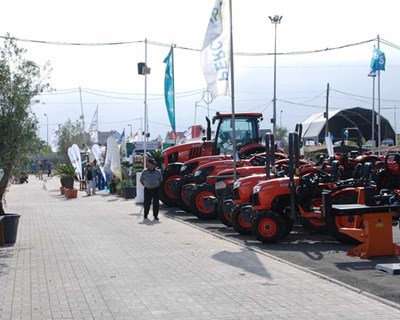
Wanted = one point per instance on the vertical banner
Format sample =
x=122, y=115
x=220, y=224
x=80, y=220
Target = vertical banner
x=54, y=140
x=169, y=87
x=94, y=127
x=74, y=155
x=113, y=160
x=123, y=150
x=215, y=54
x=99, y=158
x=378, y=61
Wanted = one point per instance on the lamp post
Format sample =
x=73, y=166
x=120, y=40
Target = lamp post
x=47, y=122
x=129, y=125
x=280, y=120
x=274, y=20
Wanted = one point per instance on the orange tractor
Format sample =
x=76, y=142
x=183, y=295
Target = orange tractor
x=247, y=139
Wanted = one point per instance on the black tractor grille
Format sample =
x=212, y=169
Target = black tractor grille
x=254, y=199
x=195, y=152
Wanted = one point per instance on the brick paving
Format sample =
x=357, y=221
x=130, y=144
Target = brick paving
x=95, y=258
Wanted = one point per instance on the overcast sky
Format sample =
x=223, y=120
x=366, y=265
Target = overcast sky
x=107, y=74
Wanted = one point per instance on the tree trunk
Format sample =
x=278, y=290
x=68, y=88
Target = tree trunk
x=3, y=188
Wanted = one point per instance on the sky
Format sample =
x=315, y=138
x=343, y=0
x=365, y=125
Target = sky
x=85, y=77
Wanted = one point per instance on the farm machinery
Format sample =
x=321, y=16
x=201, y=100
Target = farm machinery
x=247, y=143
x=276, y=204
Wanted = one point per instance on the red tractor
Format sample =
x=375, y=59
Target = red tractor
x=197, y=193
x=278, y=203
x=247, y=139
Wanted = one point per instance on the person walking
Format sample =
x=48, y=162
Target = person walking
x=151, y=179
x=90, y=180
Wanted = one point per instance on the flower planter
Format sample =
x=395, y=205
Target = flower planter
x=129, y=192
x=9, y=224
x=62, y=190
x=71, y=193
x=67, y=182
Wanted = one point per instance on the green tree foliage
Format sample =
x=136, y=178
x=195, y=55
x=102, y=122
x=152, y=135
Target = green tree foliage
x=20, y=81
x=281, y=135
x=69, y=133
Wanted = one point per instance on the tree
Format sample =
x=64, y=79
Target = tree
x=20, y=81
x=281, y=135
x=69, y=133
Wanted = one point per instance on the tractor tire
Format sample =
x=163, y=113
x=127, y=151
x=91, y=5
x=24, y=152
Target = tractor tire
x=224, y=217
x=197, y=204
x=333, y=224
x=181, y=201
x=166, y=195
x=242, y=227
x=268, y=227
x=288, y=225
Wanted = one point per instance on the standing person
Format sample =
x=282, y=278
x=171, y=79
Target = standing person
x=90, y=180
x=151, y=179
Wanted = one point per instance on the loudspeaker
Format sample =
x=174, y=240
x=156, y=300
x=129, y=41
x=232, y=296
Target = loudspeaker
x=141, y=66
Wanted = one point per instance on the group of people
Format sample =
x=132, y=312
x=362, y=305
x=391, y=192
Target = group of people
x=94, y=178
x=150, y=178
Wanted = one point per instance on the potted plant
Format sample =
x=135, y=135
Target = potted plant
x=21, y=80
x=67, y=175
x=127, y=186
x=156, y=155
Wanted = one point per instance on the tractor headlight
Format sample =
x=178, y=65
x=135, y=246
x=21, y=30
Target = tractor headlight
x=236, y=184
x=220, y=185
x=256, y=189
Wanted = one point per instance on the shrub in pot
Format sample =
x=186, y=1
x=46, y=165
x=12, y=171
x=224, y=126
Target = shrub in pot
x=67, y=175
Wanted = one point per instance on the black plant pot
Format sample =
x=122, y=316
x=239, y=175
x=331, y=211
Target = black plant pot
x=67, y=182
x=10, y=227
x=129, y=192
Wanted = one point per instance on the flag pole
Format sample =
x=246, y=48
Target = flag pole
x=173, y=87
x=373, y=113
x=379, y=102
x=232, y=77
x=145, y=107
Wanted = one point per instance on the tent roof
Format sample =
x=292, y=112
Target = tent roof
x=314, y=125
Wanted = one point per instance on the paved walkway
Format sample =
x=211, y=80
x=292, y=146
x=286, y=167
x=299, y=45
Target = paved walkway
x=95, y=258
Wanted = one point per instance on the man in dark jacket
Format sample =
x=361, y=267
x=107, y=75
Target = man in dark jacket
x=151, y=179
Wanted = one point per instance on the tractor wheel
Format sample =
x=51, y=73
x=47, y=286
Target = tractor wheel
x=335, y=223
x=224, y=217
x=288, y=225
x=200, y=208
x=181, y=201
x=239, y=224
x=169, y=175
x=268, y=227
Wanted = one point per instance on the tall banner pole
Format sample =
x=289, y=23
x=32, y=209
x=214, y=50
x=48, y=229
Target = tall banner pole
x=232, y=78
x=145, y=108
x=373, y=114
x=173, y=88
x=379, y=103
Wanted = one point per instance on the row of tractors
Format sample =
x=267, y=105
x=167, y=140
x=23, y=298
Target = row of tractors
x=264, y=191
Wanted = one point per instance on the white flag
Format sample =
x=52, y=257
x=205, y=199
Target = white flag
x=99, y=158
x=113, y=162
x=54, y=141
x=215, y=54
x=94, y=127
x=74, y=155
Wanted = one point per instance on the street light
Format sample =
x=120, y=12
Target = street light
x=47, y=120
x=129, y=125
x=275, y=20
x=280, y=120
